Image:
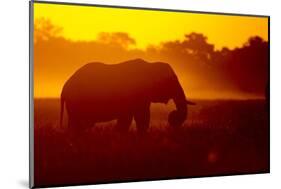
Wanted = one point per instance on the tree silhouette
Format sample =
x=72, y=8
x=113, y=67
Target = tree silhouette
x=44, y=29
x=117, y=38
x=198, y=46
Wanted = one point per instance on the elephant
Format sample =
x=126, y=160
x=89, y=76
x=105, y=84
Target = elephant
x=99, y=92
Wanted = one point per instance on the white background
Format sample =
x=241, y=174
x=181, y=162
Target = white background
x=14, y=33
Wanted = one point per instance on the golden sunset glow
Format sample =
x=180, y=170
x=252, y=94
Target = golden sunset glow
x=150, y=26
x=73, y=35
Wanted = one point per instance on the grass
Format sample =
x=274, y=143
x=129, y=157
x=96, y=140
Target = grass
x=219, y=138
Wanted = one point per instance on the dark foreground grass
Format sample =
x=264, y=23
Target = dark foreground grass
x=219, y=138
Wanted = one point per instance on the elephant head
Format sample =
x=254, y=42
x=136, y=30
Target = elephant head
x=168, y=87
x=178, y=116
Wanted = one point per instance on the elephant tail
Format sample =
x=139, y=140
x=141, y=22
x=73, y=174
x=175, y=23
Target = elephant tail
x=61, y=109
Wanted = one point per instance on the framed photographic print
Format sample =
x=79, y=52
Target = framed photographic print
x=121, y=94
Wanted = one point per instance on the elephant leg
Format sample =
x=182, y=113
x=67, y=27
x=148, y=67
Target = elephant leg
x=75, y=126
x=72, y=123
x=123, y=123
x=142, y=118
x=72, y=131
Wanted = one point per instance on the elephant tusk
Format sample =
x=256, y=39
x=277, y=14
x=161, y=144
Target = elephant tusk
x=190, y=103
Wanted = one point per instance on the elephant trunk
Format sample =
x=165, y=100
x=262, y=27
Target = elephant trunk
x=181, y=105
x=178, y=116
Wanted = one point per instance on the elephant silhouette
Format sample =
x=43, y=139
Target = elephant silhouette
x=99, y=92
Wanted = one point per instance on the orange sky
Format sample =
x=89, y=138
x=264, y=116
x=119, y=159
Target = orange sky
x=53, y=66
x=149, y=26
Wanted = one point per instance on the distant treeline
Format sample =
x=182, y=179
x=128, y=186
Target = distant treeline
x=201, y=67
